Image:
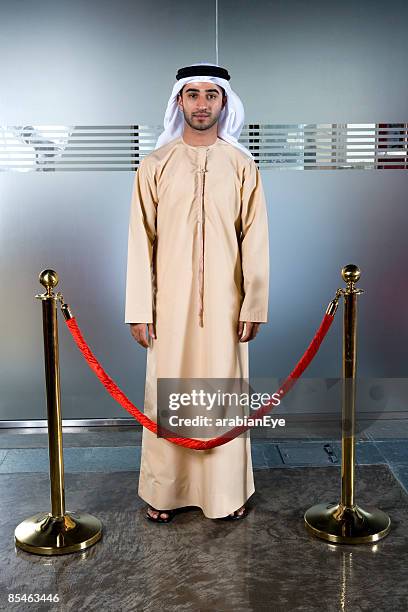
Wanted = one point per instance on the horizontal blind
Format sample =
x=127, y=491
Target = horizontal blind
x=323, y=146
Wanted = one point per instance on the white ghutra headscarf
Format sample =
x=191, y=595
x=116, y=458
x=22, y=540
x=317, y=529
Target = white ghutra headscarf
x=232, y=115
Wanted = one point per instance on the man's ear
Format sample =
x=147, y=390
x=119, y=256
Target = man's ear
x=179, y=100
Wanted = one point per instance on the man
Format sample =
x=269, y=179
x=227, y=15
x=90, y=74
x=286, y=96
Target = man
x=197, y=276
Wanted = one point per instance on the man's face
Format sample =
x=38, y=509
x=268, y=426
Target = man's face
x=201, y=104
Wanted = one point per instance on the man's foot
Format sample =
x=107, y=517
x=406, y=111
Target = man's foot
x=159, y=516
x=238, y=514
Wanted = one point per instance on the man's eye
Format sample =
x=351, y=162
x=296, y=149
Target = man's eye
x=193, y=95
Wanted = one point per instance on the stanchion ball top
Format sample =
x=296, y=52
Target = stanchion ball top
x=351, y=273
x=48, y=278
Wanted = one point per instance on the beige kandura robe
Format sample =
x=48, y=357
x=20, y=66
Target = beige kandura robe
x=198, y=261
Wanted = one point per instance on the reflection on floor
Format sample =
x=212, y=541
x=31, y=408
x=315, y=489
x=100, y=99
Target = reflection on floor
x=266, y=562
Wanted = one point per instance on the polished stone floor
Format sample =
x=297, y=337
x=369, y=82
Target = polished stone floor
x=266, y=562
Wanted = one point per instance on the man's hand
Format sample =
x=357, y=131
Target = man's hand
x=251, y=330
x=138, y=331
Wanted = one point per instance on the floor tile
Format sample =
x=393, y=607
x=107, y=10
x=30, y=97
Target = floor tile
x=394, y=451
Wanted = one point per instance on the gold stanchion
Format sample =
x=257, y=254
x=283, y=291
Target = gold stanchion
x=346, y=522
x=56, y=532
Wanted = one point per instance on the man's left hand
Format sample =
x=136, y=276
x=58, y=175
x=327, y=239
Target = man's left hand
x=251, y=329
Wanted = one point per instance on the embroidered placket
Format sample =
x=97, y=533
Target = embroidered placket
x=201, y=173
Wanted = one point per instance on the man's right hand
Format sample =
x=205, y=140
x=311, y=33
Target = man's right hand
x=138, y=331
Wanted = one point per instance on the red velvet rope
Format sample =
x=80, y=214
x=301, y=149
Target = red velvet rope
x=121, y=398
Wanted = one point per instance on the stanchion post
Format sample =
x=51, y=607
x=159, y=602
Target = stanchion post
x=56, y=532
x=53, y=393
x=346, y=522
x=349, y=386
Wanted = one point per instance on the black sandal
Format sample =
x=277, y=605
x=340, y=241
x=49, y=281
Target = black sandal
x=160, y=519
x=235, y=516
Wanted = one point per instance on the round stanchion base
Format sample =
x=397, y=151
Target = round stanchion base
x=347, y=525
x=45, y=534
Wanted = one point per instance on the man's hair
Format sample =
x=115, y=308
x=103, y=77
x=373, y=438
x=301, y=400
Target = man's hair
x=180, y=93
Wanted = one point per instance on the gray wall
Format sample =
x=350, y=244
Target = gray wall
x=99, y=62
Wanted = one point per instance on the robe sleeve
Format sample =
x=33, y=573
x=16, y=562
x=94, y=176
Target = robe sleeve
x=142, y=234
x=254, y=247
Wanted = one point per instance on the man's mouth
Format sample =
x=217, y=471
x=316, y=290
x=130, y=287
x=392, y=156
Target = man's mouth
x=201, y=116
